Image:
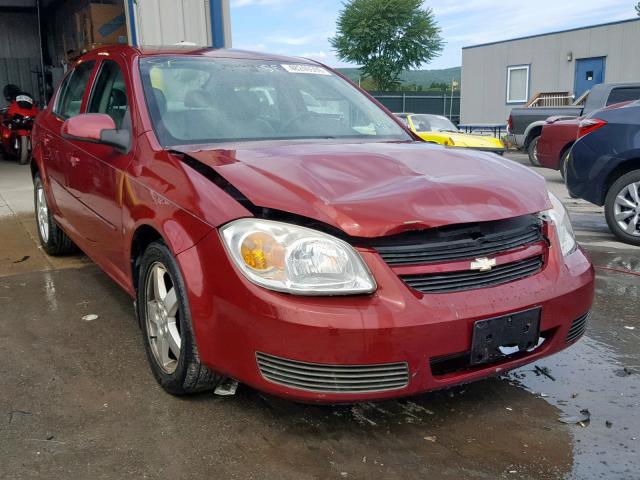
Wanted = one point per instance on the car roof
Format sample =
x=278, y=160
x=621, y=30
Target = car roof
x=190, y=50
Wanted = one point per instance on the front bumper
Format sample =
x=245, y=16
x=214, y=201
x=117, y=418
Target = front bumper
x=236, y=321
x=515, y=140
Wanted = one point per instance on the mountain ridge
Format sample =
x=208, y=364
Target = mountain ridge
x=423, y=78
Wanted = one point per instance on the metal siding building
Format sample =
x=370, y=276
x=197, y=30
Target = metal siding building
x=567, y=61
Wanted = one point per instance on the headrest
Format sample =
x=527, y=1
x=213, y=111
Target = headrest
x=161, y=101
x=118, y=98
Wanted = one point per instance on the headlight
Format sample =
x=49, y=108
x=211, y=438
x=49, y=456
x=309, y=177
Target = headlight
x=288, y=258
x=560, y=217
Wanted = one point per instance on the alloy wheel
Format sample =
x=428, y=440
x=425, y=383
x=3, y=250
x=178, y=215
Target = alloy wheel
x=162, y=318
x=42, y=213
x=626, y=209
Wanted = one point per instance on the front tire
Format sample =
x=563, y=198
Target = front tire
x=165, y=318
x=622, y=208
x=532, y=151
x=53, y=240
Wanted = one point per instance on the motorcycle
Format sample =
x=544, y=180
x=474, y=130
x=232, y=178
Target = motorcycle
x=16, y=122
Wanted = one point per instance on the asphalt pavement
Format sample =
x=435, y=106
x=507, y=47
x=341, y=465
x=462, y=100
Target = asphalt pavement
x=77, y=399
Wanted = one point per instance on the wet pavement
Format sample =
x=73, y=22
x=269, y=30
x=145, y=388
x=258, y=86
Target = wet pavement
x=77, y=399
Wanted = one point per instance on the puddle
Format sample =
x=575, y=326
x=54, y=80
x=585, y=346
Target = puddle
x=601, y=373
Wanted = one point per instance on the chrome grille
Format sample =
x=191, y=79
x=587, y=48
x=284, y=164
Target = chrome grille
x=320, y=377
x=467, y=279
x=458, y=242
x=578, y=327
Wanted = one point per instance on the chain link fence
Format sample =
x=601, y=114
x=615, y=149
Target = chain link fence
x=420, y=102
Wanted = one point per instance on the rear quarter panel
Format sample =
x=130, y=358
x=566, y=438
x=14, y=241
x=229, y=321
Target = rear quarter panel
x=555, y=139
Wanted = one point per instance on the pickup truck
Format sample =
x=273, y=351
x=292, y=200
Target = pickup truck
x=525, y=123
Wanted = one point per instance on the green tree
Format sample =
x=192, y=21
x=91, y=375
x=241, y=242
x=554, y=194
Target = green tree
x=386, y=37
x=638, y=8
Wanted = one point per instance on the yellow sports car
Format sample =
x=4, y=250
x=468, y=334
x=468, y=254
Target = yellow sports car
x=438, y=129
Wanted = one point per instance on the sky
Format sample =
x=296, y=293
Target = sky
x=302, y=27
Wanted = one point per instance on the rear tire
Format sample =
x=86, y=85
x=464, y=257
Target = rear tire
x=24, y=150
x=564, y=163
x=165, y=317
x=532, y=151
x=53, y=240
x=622, y=208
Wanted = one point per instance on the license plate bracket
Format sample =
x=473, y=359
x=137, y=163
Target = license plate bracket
x=520, y=329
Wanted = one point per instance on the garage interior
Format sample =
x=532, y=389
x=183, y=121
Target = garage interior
x=39, y=36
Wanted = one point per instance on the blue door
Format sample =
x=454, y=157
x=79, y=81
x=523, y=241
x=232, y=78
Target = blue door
x=589, y=72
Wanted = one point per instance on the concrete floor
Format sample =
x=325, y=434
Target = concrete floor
x=77, y=399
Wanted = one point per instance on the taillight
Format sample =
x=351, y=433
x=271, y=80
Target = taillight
x=588, y=125
x=510, y=124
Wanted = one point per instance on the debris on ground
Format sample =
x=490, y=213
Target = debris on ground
x=608, y=424
x=628, y=327
x=15, y=413
x=23, y=259
x=430, y=438
x=543, y=371
x=583, y=419
x=625, y=372
x=90, y=317
x=226, y=388
x=358, y=414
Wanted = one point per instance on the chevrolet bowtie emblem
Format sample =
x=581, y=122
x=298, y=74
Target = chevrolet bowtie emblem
x=483, y=264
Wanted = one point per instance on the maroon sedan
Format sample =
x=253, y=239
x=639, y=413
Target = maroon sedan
x=275, y=226
x=558, y=136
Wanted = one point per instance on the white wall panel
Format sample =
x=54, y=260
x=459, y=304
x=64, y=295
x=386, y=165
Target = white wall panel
x=165, y=22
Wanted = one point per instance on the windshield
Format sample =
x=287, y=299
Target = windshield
x=432, y=123
x=203, y=100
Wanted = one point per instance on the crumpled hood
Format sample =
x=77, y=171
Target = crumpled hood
x=377, y=189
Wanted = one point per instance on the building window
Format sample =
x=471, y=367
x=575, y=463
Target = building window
x=518, y=84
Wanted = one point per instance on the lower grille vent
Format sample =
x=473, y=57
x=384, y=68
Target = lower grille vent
x=578, y=326
x=320, y=377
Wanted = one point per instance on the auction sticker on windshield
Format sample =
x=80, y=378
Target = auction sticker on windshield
x=312, y=69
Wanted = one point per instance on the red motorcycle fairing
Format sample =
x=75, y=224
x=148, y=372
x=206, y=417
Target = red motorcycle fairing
x=16, y=123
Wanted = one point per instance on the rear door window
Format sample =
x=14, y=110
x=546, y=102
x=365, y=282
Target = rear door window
x=625, y=94
x=70, y=101
x=110, y=94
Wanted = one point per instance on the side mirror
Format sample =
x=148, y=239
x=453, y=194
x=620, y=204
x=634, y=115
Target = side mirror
x=96, y=128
